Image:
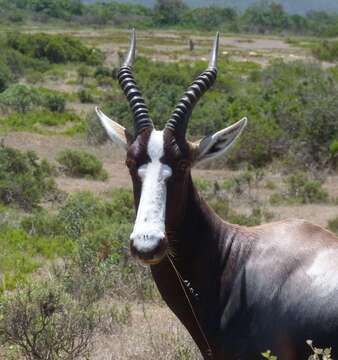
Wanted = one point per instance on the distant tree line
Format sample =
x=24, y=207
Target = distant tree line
x=262, y=17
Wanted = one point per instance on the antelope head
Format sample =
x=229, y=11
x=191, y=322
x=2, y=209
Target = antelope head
x=160, y=161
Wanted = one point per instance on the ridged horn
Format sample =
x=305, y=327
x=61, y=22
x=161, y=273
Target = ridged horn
x=178, y=121
x=128, y=84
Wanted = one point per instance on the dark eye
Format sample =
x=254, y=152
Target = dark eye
x=131, y=164
x=183, y=165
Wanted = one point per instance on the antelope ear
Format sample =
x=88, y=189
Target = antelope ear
x=215, y=145
x=117, y=133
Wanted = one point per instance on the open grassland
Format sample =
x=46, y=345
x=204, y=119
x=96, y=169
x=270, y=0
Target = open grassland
x=76, y=233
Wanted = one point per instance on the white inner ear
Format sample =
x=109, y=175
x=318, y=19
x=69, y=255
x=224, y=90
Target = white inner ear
x=117, y=133
x=215, y=145
x=149, y=225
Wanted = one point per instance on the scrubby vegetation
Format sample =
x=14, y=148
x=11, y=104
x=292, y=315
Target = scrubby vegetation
x=299, y=188
x=53, y=48
x=22, y=98
x=44, y=322
x=24, y=180
x=292, y=107
x=326, y=50
x=79, y=163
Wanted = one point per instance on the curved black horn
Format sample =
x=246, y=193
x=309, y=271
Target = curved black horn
x=128, y=84
x=179, y=118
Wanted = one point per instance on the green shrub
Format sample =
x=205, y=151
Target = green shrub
x=85, y=96
x=20, y=98
x=23, y=98
x=83, y=71
x=5, y=76
x=102, y=71
x=32, y=121
x=326, y=50
x=24, y=180
x=84, y=214
x=42, y=223
x=81, y=213
x=333, y=225
x=256, y=217
x=301, y=189
x=79, y=163
x=223, y=209
x=55, y=102
x=202, y=185
x=54, y=48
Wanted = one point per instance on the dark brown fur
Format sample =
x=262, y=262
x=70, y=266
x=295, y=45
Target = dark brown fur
x=251, y=289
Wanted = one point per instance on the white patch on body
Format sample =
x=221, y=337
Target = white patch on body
x=149, y=225
x=322, y=272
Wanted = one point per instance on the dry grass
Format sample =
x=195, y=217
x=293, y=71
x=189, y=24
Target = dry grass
x=153, y=333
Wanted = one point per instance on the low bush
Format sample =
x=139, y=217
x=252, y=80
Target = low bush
x=44, y=322
x=5, y=76
x=55, y=102
x=85, y=96
x=24, y=180
x=54, y=48
x=224, y=210
x=84, y=214
x=300, y=189
x=83, y=72
x=43, y=122
x=326, y=50
x=23, y=98
x=80, y=163
x=20, y=98
x=304, y=190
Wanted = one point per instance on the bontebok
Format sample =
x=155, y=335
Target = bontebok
x=238, y=290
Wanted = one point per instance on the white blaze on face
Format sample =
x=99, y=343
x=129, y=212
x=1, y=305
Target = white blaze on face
x=149, y=226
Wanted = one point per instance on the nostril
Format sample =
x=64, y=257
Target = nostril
x=141, y=248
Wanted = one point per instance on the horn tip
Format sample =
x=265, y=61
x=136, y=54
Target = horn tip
x=214, y=53
x=243, y=122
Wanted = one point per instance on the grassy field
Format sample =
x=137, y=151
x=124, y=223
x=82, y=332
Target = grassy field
x=84, y=223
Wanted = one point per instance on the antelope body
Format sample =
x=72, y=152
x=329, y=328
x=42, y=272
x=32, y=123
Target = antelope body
x=267, y=287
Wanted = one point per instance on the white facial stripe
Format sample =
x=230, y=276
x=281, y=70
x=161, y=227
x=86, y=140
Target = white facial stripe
x=149, y=225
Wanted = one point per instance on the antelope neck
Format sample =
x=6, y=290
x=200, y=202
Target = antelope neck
x=195, y=251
